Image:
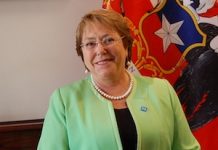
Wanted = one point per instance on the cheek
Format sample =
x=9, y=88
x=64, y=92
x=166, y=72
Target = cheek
x=125, y=53
x=87, y=58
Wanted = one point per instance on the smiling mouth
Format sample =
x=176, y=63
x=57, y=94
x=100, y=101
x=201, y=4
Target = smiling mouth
x=102, y=62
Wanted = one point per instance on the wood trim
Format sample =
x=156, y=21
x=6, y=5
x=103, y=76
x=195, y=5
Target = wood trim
x=20, y=135
x=21, y=125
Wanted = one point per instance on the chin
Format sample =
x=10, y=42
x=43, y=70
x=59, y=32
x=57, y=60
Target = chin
x=105, y=72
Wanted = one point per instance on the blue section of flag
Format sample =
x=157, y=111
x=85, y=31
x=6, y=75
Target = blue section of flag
x=188, y=32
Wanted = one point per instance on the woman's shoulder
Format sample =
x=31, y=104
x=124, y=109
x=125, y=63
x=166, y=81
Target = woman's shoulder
x=72, y=92
x=149, y=80
x=74, y=87
x=153, y=84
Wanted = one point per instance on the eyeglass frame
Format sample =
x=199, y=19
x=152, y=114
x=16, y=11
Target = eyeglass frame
x=103, y=42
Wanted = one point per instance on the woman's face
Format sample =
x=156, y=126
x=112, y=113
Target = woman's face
x=107, y=57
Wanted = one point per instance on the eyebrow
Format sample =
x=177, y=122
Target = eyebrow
x=89, y=38
x=94, y=38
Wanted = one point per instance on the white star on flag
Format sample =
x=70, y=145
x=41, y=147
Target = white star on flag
x=168, y=33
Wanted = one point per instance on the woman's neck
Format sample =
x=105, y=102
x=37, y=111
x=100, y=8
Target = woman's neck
x=114, y=86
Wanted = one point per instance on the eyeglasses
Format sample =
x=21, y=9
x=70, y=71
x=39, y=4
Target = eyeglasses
x=106, y=42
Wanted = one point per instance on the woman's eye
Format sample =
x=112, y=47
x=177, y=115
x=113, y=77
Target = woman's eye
x=108, y=40
x=90, y=44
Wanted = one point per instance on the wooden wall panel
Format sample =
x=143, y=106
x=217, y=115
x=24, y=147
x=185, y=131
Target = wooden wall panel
x=20, y=135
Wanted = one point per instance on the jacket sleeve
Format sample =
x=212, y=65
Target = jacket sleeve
x=183, y=138
x=54, y=133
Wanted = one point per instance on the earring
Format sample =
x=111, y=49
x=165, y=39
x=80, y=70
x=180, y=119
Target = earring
x=86, y=71
x=128, y=63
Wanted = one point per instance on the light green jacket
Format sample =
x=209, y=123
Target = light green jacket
x=79, y=118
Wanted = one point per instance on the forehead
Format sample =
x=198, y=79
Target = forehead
x=97, y=29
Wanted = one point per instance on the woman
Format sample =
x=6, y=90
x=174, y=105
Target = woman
x=112, y=109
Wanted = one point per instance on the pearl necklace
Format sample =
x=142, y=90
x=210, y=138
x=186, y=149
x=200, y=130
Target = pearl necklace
x=110, y=96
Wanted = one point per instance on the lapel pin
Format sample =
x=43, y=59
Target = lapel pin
x=143, y=108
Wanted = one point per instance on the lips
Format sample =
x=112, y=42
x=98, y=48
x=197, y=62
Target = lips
x=103, y=61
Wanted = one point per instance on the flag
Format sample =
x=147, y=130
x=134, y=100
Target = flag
x=170, y=42
x=160, y=36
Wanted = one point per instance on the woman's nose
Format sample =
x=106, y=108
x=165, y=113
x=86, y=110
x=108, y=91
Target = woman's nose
x=100, y=49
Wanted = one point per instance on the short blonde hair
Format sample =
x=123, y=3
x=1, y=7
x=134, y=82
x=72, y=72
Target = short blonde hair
x=108, y=18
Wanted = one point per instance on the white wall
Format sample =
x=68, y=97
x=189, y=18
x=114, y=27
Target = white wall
x=37, y=53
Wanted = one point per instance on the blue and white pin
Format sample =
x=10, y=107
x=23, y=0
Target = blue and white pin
x=144, y=108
